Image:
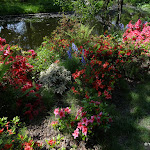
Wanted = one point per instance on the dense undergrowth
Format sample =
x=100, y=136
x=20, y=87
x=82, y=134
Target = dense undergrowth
x=74, y=63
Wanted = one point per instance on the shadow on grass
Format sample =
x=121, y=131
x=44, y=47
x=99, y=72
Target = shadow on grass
x=12, y=9
x=130, y=109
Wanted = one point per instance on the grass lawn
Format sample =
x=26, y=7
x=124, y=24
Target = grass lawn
x=16, y=8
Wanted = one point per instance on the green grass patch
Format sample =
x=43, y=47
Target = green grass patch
x=26, y=8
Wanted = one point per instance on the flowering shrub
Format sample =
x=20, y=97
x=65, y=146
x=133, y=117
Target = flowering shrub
x=18, y=78
x=56, y=77
x=101, y=70
x=103, y=62
x=87, y=119
x=136, y=39
x=138, y=34
x=12, y=136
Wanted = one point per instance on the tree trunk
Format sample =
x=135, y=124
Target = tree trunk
x=120, y=5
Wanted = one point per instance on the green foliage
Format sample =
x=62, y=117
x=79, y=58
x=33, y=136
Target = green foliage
x=71, y=64
x=56, y=78
x=145, y=7
x=65, y=5
x=45, y=57
x=13, y=134
x=136, y=2
x=3, y=68
x=87, y=9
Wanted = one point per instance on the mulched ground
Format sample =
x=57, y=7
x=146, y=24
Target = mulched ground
x=40, y=130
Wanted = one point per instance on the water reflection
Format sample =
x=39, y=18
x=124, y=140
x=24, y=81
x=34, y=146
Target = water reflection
x=27, y=33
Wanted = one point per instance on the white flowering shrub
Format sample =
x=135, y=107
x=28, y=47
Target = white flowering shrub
x=56, y=78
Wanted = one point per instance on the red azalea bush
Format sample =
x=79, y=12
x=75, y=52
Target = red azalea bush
x=18, y=77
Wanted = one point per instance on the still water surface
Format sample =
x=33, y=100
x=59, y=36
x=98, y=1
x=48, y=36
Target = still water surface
x=27, y=32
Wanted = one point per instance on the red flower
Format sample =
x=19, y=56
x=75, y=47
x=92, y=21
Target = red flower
x=33, y=53
x=84, y=130
x=1, y=131
x=105, y=64
x=52, y=142
x=62, y=113
x=86, y=96
x=7, y=146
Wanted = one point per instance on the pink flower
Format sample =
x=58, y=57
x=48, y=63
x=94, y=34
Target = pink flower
x=137, y=24
x=53, y=123
x=2, y=41
x=56, y=111
x=68, y=110
x=84, y=130
x=6, y=53
x=79, y=125
x=76, y=133
x=85, y=121
x=97, y=103
x=62, y=113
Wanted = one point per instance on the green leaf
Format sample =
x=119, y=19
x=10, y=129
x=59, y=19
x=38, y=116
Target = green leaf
x=1, y=141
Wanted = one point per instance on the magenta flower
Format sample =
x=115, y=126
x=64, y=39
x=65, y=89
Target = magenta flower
x=92, y=119
x=100, y=114
x=85, y=121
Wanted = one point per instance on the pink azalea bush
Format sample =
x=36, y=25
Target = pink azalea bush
x=138, y=33
x=87, y=119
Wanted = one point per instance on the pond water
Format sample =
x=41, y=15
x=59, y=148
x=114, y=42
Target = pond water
x=28, y=31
